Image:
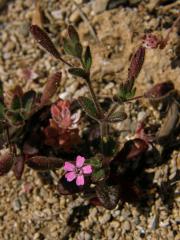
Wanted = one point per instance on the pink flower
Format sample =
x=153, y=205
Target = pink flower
x=77, y=171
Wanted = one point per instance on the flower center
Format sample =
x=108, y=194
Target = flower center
x=79, y=171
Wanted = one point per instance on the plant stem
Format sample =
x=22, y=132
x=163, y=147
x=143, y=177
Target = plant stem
x=94, y=98
x=104, y=133
x=114, y=107
x=112, y=110
x=65, y=62
x=134, y=98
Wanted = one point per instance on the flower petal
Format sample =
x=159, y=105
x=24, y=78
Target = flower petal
x=55, y=111
x=69, y=166
x=87, y=169
x=70, y=176
x=80, y=161
x=80, y=180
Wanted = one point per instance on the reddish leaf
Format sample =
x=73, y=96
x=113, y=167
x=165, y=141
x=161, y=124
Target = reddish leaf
x=67, y=188
x=133, y=192
x=95, y=201
x=18, y=167
x=43, y=39
x=17, y=91
x=128, y=162
x=50, y=87
x=6, y=162
x=44, y=163
x=135, y=148
x=170, y=124
x=108, y=195
x=29, y=150
x=159, y=90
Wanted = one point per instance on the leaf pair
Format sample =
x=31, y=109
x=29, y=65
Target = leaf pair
x=73, y=47
x=98, y=172
x=86, y=61
x=21, y=106
x=124, y=94
x=89, y=107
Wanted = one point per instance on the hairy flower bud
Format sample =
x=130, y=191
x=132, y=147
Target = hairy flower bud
x=43, y=39
x=135, y=67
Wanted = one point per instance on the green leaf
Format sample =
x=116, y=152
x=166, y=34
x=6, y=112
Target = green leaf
x=88, y=106
x=1, y=111
x=68, y=47
x=15, y=117
x=1, y=89
x=79, y=72
x=78, y=50
x=73, y=34
x=16, y=103
x=98, y=175
x=73, y=49
x=94, y=162
x=124, y=95
x=87, y=59
x=28, y=100
x=117, y=117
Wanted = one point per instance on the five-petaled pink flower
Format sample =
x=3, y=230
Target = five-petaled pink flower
x=77, y=171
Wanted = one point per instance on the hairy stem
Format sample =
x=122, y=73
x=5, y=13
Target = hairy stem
x=134, y=98
x=65, y=62
x=116, y=105
x=94, y=98
x=104, y=135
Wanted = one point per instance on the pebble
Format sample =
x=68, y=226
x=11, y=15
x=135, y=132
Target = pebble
x=78, y=1
x=116, y=213
x=105, y=218
x=9, y=46
x=57, y=14
x=126, y=226
x=141, y=116
x=75, y=17
x=16, y=205
x=154, y=222
x=84, y=236
x=115, y=224
x=99, y=6
x=110, y=234
x=125, y=213
x=23, y=198
x=24, y=29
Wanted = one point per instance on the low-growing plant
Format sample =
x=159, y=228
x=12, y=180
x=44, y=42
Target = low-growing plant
x=47, y=136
